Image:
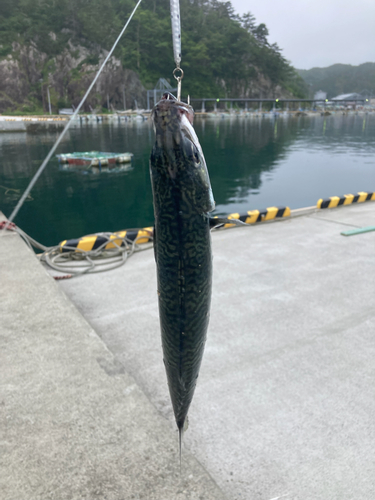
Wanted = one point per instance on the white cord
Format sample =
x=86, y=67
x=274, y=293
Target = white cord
x=76, y=261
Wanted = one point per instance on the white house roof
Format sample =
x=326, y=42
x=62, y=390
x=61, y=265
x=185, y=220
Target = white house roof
x=347, y=97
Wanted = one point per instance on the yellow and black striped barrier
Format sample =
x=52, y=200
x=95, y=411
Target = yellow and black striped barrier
x=145, y=235
x=347, y=199
x=254, y=216
x=50, y=120
x=94, y=241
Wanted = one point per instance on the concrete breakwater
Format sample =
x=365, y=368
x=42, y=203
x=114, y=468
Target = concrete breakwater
x=31, y=123
x=35, y=124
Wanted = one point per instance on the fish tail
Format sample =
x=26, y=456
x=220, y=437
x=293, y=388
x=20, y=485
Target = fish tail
x=182, y=427
x=180, y=431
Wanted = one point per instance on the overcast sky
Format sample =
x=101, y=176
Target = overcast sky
x=317, y=33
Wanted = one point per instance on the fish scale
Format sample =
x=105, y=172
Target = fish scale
x=182, y=199
x=184, y=271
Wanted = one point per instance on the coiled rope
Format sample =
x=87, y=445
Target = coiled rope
x=75, y=262
x=78, y=262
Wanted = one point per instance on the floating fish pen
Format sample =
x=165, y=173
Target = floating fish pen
x=94, y=159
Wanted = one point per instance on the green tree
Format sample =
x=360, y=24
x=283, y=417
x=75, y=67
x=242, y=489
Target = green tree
x=223, y=54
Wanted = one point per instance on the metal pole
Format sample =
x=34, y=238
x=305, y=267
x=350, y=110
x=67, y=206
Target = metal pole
x=260, y=106
x=203, y=106
x=49, y=101
x=123, y=95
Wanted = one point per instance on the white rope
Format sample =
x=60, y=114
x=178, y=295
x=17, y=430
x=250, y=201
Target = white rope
x=76, y=261
x=48, y=157
x=93, y=261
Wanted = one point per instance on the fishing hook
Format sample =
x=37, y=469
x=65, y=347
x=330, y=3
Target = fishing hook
x=178, y=78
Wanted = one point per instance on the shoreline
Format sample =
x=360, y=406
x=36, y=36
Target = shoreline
x=37, y=123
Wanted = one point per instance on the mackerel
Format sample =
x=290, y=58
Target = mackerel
x=182, y=199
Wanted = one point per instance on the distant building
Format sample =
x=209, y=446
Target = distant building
x=66, y=111
x=349, y=100
x=320, y=95
x=353, y=97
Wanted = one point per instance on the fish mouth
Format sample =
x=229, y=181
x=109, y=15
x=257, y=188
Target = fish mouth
x=178, y=146
x=173, y=125
x=168, y=104
x=172, y=121
x=167, y=96
x=174, y=118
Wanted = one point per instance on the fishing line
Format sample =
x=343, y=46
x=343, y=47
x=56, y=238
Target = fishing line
x=67, y=126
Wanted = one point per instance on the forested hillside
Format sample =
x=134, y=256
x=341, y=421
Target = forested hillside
x=60, y=43
x=340, y=79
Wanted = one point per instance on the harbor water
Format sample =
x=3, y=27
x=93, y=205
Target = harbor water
x=254, y=163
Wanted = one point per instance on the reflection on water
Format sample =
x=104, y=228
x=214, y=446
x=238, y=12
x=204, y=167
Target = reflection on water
x=95, y=169
x=253, y=163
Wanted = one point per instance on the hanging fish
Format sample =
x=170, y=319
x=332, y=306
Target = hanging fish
x=182, y=198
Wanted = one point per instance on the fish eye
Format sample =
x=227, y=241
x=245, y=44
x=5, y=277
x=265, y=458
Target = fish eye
x=195, y=155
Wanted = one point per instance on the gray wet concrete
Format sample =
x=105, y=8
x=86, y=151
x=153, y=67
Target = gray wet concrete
x=285, y=402
x=74, y=423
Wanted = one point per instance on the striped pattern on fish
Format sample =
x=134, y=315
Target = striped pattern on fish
x=182, y=199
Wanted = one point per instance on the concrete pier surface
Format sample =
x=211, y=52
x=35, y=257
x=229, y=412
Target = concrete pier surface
x=284, y=405
x=74, y=423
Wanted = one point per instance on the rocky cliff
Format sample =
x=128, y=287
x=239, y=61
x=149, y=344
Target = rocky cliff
x=26, y=74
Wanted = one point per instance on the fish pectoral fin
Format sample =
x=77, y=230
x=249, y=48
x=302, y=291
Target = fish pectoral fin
x=217, y=222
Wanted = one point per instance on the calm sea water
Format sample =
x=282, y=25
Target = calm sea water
x=254, y=163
